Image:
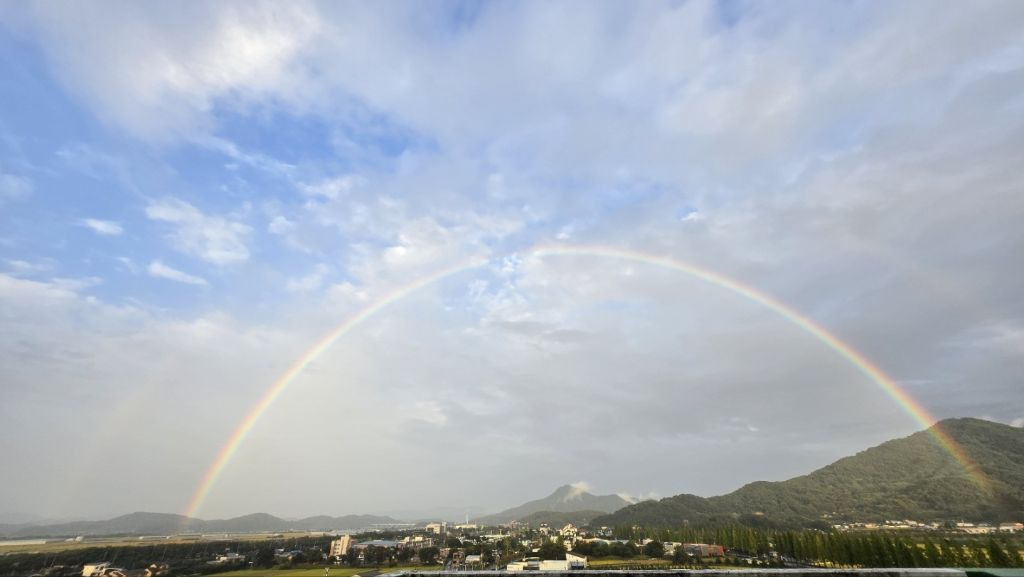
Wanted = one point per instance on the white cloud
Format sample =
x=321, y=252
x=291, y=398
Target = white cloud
x=214, y=239
x=14, y=187
x=24, y=267
x=160, y=270
x=428, y=412
x=332, y=188
x=839, y=188
x=1018, y=422
x=578, y=488
x=102, y=227
x=280, y=225
x=311, y=282
x=183, y=64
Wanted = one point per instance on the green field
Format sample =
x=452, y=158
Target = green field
x=319, y=571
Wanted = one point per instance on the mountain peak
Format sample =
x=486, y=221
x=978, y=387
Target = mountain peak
x=570, y=492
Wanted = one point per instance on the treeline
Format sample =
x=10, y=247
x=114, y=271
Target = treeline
x=183, y=558
x=850, y=549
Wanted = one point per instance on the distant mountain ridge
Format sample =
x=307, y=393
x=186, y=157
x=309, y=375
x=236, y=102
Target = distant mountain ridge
x=565, y=499
x=141, y=523
x=908, y=478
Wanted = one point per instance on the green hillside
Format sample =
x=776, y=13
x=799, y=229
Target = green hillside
x=909, y=478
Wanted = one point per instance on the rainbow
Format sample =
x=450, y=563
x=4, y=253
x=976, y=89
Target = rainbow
x=851, y=355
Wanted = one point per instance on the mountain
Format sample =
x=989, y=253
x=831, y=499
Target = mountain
x=909, y=478
x=168, y=524
x=561, y=519
x=565, y=499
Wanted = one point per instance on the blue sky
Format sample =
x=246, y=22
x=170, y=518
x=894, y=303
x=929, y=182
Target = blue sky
x=190, y=196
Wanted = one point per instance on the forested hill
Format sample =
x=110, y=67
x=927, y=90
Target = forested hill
x=565, y=499
x=909, y=478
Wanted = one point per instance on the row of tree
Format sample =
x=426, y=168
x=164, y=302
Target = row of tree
x=851, y=549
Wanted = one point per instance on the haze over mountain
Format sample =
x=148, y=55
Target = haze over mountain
x=565, y=499
x=142, y=523
x=908, y=478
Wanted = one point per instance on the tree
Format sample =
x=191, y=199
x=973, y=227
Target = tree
x=654, y=549
x=264, y=557
x=997, y=556
x=428, y=555
x=551, y=550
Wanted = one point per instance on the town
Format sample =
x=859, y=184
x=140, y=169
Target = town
x=516, y=547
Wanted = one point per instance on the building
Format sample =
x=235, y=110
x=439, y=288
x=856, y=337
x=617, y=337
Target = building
x=1011, y=527
x=704, y=550
x=437, y=528
x=569, y=535
x=228, y=558
x=95, y=569
x=340, y=546
x=570, y=563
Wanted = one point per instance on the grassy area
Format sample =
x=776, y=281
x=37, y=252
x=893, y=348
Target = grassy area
x=319, y=571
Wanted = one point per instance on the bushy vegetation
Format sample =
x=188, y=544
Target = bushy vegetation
x=841, y=549
x=187, y=558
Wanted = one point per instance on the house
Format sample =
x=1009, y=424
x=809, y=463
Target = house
x=576, y=561
x=474, y=559
x=527, y=564
x=229, y=558
x=289, y=556
x=1011, y=527
x=95, y=569
x=386, y=543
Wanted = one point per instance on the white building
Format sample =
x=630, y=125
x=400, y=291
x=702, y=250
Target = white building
x=229, y=558
x=1011, y=527
x=340, y=546
x=94, y=569
x=437, y=528
x=571, y=562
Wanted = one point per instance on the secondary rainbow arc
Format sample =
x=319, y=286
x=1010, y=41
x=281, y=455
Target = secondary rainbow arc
x=850, y=354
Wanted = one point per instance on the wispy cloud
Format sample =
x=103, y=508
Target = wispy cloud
x=310, y=282
x=102, y=227
x=158, y=269
x=14, y=186
x=215, y=239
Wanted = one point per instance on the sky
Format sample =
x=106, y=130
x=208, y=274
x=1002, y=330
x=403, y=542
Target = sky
x=193, y=195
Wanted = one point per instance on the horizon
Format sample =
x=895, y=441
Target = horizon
x=581, y=487
x=301, y=255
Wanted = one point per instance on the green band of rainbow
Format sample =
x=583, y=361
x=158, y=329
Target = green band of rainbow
x=870, y=370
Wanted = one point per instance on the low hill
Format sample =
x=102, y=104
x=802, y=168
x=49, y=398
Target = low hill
x=909, y=478
x=141, y=523
x=565, y=499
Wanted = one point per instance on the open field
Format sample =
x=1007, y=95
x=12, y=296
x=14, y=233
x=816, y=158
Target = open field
x=60, y=545
x=319, y=571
